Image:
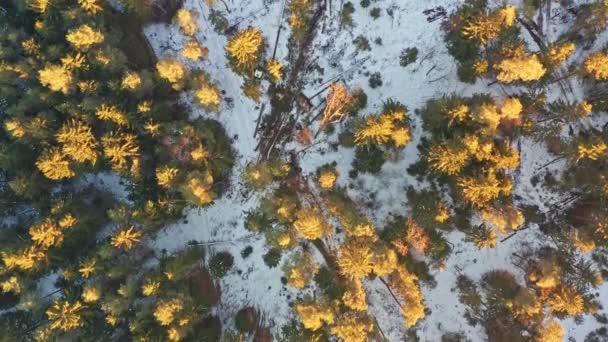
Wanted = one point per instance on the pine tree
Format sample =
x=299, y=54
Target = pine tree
x=524, y=68
x=550, y=331
x=84, y=37
x=596, y=66
x=311, y=224
x=187, y=21
x=479, y=191
x=126, y=238
x=244, y=49
x=566, y=300
x=194, y=51
x=356, y=259
x=173, y=71
x=448, y=159
x=313, y=316
x=404, y=284
x=275, y=70
x=78, y=142
x=354, y=296
x=352, y=327
x=56, y=78
x=65, y=316
x=53, y=164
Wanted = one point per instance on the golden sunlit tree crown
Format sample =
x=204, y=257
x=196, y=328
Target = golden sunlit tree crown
x=65, y=316
x=245, y=47
x=56, y=78
x=84, y=37
x=53, y=164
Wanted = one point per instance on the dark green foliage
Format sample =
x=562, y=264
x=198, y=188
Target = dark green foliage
x=245, y=320
x=408, y=56
x=220, y=264
x=273, y=257
x=365, y=3
x=18, y=325
x=325, y=281
x=258, y=221
x=8, y=300
x=346, y=139
x=246, y=252
x=375, y=13
x=294, y=331
x=362, y=43
x=359, y=101
x=369, y=158
x=219, y=21
x=375, y=80
x=469, y=295
x=346, y=17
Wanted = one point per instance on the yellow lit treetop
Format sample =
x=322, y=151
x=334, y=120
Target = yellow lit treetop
x=520, y=68
x=596, y=66
x=487, y=27
x=353, y=327
x=244, y=48
x=313, y=316
x=126, y=238
x=387, y=128
x=194, y=51
x=120, y=148
x=56, y=78
x=54, y=165
x=166, y=311
x=275, y=70
x=173, y=71
x=311, y=224
x=84, y=37
x=65, y=316
x=91, y=6
x=78, y=142
x=479, y=191
x=187, y=21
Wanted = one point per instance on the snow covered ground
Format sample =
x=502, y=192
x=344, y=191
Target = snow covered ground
x=251, y=282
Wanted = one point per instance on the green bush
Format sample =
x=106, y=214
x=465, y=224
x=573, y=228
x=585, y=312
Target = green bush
x=273, y=257
x=375, y=80
x=362, y=43
x=368, y=158
x=245, y=320
x=220, y=264
x=246, y=252
x=359, y=101
x=408, y=56
x=346, y=17
x=375, y=13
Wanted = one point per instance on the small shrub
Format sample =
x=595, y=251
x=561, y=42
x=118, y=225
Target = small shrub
x=346, y=17
x=245, y=320
x=368, y=159
x=359, y=101
x=273, y=257
x=346, y=139
x=220, y=264
x=362, y=43
x=375, y=80
x=246, y=252
x=375, y=13
x=408, y=56
x=365, y=3
x=378, y=41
